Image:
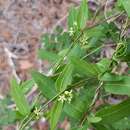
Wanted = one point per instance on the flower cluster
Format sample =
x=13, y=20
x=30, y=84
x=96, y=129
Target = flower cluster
x=66, y=96
x=37, y=113
x=73, y=29
x=84, y=40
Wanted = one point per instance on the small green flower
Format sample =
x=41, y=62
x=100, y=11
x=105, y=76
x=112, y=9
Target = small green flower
x=37, y=113
x=56, y=39
x=71, y=31
x=84, y=40
x=69, y=95
x=62, y=98
x=66, y=96
x=75, y=24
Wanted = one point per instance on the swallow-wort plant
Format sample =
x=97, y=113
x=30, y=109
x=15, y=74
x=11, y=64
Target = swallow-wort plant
x=81, y=77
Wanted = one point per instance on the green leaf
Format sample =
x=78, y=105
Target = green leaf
x=123, y=124
x=76, y=51
x=46, y=55
x=72, y=18
x=80, y=103
x=94, y=119
x=126, y=4
x=86, y=68
x=64, y=78
x=111, y=77
x=19, y=98
x=104, y=65
x=100, y=127
x=27, y=85
x=55, y=114
x=114, y=113
x=7, y=115
x=96, y=33
x=75, y=109
x=84, y=127
x=118, y=87
x=82, y=14
x=45, y=84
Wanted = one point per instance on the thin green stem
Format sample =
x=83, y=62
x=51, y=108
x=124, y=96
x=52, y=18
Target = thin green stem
x=27, y=122
x=96, y=95
x=93, y=51
x=84, y=118
x=22, y=122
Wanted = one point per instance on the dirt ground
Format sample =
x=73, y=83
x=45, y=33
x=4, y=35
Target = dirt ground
x=22, y=24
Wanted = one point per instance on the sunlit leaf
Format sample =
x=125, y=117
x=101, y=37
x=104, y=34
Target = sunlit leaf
x=50, y=56
x=126, y=4
x=19, y=98
x=114, y=113
x=64, y=78
x=55, y=114
x=45, y=84
x=86, y=68
x=82, y=14
x=121, y=87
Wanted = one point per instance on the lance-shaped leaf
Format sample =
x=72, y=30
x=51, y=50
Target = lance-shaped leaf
x=94, y=119
x=27, y=85
x=123, y=124
x=19, y=98
x=111, y=77
x=104, y=65
x=55, y=114
x=64, y=78
x=50, y=56
x=83, y=127
x=72, y=18
x=121, y=87
x=45, y=84
x=86, y=68
x=100, y=127
x=126, y=4
x=80, y=103
x=114, y=113
x=82, y=14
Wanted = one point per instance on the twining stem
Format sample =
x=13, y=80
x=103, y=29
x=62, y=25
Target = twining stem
x=95, y=50
x=83, y=119
x=96, y=95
